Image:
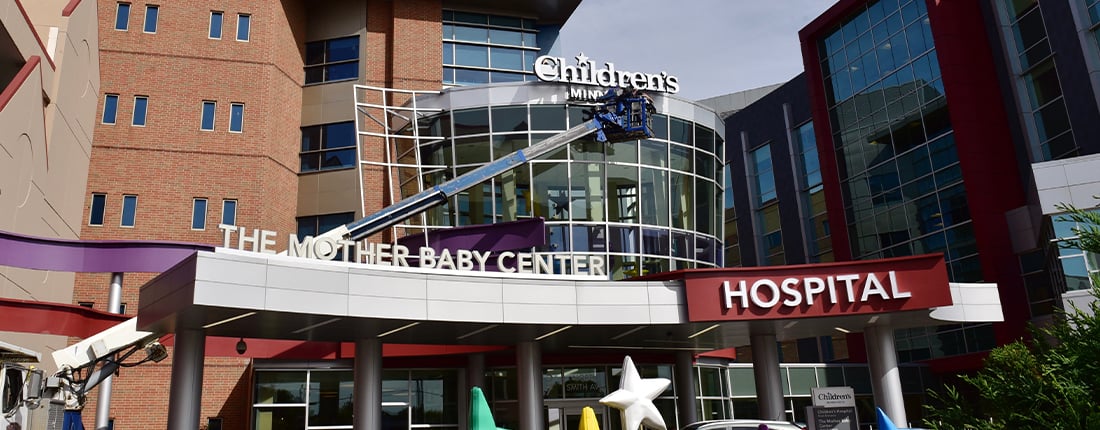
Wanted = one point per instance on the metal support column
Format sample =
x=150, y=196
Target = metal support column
x=103, y=401
x=185, y=394
x=765, y=369
x=685, y=388
x=885, y=379
x=529, y=372
x=368, y=385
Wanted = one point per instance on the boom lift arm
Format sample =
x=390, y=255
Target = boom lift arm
x=620, y=118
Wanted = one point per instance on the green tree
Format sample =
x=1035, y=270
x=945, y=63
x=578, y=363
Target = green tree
x=1051, y=381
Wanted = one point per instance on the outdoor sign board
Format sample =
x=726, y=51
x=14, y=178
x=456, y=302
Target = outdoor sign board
x=834, y=408
x=848, y=288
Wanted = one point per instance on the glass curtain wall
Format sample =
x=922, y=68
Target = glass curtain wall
x=482, y=49
x=648, y=205
x=895, y=149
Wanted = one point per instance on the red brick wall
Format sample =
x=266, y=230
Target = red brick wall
x=170, y=161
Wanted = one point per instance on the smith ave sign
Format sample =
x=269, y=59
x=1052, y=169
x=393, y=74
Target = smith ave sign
x=859, y=287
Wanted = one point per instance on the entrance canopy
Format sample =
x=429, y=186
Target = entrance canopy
x=235, y=293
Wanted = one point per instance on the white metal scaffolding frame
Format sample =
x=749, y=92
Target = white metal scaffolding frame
x=396, y=125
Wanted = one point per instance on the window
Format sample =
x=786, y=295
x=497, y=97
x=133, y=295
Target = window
x=762, y=172
x=99, y=203
x=243, y=24
x=328, y=146
x=110, y=108
x=332, y=60
x=129, y=210
x=315, y=225
x=215, y=25
x=198, y=214
x=208, y=114
x=479, y=48
x=229, y=212
x=122, y=17
x=140, y=104
x=89, y=305
x=236, y=117
x=151, y=12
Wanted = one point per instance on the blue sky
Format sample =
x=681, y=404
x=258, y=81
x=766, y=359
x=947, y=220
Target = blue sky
x=713, y=47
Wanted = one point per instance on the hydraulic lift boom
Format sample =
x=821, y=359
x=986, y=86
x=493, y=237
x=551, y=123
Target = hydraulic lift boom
x=620, y=118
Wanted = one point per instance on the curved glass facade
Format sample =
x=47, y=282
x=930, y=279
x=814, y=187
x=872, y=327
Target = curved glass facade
x=649, y=205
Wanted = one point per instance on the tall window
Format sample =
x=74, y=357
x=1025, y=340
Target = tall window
x=479, y=48
x=236, y=117
x=229, y=212
x=208, y=108
x=332, y=60
x=129, y=210
x=816, y=219
x=1045, y=108
x=122, y=17
x=151, y=12
x=110, y=108
x=215, y=25
x=198, y=214
x=141, y=103
x=328, y=146
x=243, y=24
x=764, y=177
x=95, y=214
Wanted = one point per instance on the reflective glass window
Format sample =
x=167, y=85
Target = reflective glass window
x=215, y=31
x=244, y=24
x=151, y=12
x=129, y=210
x=198, y=214
x=229, y=212
x=328, y=146
x=99, y=203
x=208, y=109
x=122, y=17
x=332, y=60
x=236, y=117
x=141, y=104
x=110, y=108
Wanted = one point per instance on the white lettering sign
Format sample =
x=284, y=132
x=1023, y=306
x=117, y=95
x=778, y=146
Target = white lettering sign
x=794, y=292
x=556, y=69
x=326, y=248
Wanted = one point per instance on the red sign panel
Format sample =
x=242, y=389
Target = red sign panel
x=814, y=290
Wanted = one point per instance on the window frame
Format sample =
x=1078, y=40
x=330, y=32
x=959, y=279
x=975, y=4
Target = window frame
x=102, y=209
x=213, y=115
x=195, y=212
x=323, y=132
x=124, y=21
x=144, y=112
x=232, y=116
x=225, y=202
x=133, y=216
x=220, y=27
x=113, y=110
x=156, y=18
x=246, y=17
x=325, y=63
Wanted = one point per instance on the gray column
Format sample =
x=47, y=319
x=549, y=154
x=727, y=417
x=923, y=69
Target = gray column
x=765, y=370
x=103, y=402
x=368, y=385
x=885, y=378
x=686, y=408
x=529, y=373
x=185, y=394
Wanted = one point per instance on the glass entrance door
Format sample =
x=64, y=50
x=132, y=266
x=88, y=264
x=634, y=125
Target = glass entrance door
x=567, y=415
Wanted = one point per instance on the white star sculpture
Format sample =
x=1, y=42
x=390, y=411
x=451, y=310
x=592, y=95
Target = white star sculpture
x=635, y=398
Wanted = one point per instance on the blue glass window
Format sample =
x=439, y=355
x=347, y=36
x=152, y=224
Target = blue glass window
x=475, y=42
x=762, y=171
x=129, y=210
x=236, y=117
x=208, y=108
x=244, y=22
x=229, y=212
x=122, y=17
x=198, y=215
x=215, y=25
x=328, y=146
x=151, y=13
x=332, y=60
x=95, y=215
x=140, y=105
x=110, y=108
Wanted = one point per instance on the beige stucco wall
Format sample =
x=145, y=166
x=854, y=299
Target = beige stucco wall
x=45, y=142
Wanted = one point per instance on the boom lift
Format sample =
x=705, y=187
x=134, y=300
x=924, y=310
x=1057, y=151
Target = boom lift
x=81, y=367
x=619, y=117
